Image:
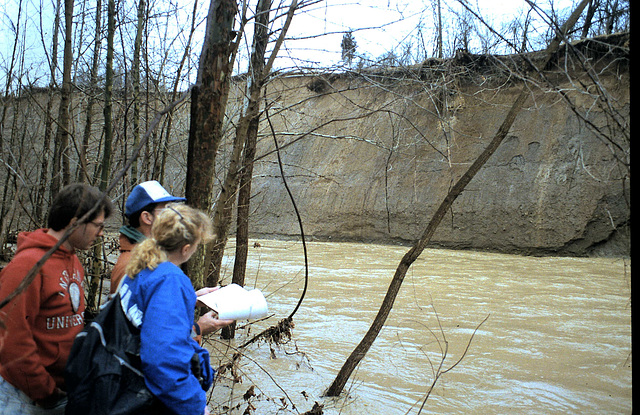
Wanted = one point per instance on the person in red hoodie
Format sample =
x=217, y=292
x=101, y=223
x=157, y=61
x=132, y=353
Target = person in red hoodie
x=38, y=326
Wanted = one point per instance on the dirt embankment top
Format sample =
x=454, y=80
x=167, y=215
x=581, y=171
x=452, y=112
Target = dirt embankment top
x=369, y=155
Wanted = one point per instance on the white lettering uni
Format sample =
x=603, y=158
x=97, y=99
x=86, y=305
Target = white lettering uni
x=133, y=313
x=64, y=322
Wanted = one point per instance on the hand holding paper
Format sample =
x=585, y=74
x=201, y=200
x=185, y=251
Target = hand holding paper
x=233, y=302
x=210, y=323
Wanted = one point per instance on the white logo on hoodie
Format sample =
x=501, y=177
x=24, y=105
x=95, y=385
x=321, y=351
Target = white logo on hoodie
x=71, y=285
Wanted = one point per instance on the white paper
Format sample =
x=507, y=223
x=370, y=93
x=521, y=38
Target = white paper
x=233, y=302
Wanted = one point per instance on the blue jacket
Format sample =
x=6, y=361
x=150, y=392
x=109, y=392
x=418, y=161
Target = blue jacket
x=161, y=302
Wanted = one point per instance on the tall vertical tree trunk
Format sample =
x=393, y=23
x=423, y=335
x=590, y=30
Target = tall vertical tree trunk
x=135, y=75
x=243, y=211
x=108, y=96
x=439, y=29
x=208, y=105
x=246, y=133
x=5, y=209
x=61, y=173
x=591, y=11
x=93, y=280
x=222, y=216
x=9, y=77
x=363, y=347
x=83, y=174
x=13, y=185
x=44, y=184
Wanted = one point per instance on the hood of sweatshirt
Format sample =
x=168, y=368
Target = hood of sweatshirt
x=40, y=239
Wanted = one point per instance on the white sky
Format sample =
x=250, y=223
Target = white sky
x=378, y=27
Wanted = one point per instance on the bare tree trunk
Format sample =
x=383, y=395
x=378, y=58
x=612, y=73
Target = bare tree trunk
x=9, y=77
x=135, y=74
x=46, y=152
x=108, y=96
x=361, y=349
x=83, y=174
x=258, y=72
x=60, y=172
x=224, y=205
x=5, y=209
x=243, y=211
x=44, y=167
x=208, y=105
x=16, y=179
x=146, y=159
x=439, y=39
x=260, y=40
x=591, y=11
x=93, y=279
x=12, y=189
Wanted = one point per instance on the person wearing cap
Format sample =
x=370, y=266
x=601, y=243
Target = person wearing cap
x=143, y=205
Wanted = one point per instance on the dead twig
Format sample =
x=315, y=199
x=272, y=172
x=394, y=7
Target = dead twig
x=440, y=371
x=281, y=331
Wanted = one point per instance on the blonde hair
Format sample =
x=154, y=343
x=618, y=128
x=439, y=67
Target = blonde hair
x=176, y=226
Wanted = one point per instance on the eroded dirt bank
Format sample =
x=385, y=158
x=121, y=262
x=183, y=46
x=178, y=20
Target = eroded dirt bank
x=369, y=156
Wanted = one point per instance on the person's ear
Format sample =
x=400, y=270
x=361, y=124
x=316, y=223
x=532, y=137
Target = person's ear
x=71, y=222
x=185, y=249
x=146, y=218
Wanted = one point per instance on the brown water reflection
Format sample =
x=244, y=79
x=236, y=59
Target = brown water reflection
x=557, y=338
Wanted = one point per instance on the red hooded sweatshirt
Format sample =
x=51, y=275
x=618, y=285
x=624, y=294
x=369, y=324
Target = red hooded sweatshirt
x=42, y=322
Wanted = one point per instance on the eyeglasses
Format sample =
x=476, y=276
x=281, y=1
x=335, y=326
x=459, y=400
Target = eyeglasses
x=99, y=225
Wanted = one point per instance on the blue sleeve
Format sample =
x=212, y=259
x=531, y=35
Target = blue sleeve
x=166, y=346
x=205, y=364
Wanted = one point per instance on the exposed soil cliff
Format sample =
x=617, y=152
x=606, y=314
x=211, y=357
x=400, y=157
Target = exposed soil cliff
x=369, y=156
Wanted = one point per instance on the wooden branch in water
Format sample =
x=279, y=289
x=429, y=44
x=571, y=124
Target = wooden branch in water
x=362, y=348
x=442, y=372
x=284, y=326
x=295, y=207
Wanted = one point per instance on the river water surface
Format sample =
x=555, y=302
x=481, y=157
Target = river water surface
x=542, y=335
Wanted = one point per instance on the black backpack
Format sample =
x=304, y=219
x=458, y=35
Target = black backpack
x=103, y=374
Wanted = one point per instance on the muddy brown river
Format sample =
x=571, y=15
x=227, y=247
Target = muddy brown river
x=542, y=335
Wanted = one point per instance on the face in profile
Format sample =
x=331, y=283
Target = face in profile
x=86, y=234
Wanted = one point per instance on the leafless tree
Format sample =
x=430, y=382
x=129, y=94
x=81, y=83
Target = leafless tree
x=212, y=120
x=61, y=170
x=208, y=104
x=361, y=349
